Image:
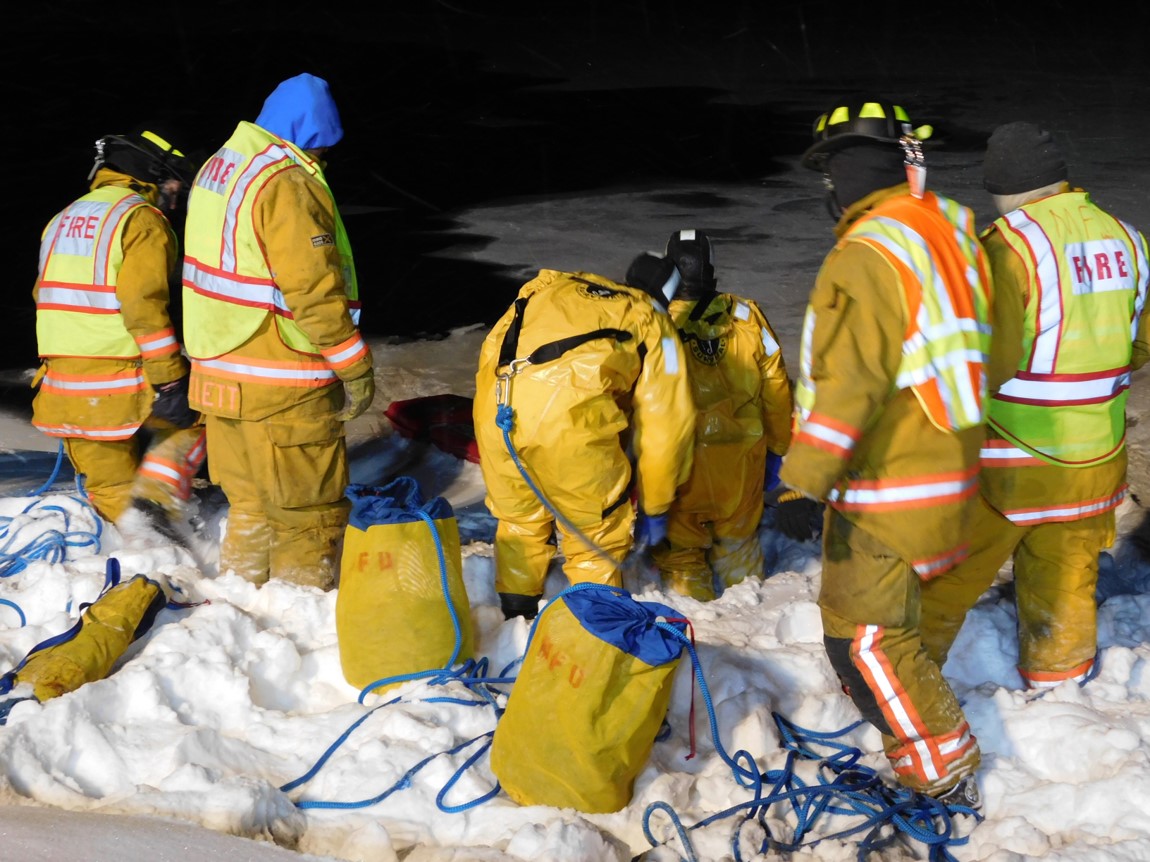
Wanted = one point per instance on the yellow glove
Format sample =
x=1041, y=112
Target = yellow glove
x=357, y=396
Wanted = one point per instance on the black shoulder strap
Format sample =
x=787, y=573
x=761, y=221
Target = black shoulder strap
x=553, y=349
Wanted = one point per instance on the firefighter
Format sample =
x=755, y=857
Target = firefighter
x=270, y=324
x=742, y=430
x=1073, y=280
x=890, y=401
x=113, y=384
x=581, y=392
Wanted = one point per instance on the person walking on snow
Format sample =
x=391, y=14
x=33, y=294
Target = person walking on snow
x=1073, y=283
x=590, y=373
x=743, y=428
x=890, y=418
x=113, y=378
x=270, y=324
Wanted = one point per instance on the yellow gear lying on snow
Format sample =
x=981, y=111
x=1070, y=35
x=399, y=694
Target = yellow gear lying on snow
x=588, y=701
x=391, y=615
x=107, y=628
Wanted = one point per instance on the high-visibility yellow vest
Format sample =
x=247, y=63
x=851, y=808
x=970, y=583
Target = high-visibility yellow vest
x=1088, y=273
x=228, y=287
x=77, y=312
x=932, y=245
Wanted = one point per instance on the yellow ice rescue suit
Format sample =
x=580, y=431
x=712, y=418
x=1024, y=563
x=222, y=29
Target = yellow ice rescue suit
x=594, y=374
x=743, y=396
x=889, y=425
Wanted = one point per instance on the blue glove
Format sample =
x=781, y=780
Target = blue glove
x=774, y=462
x=650, y=530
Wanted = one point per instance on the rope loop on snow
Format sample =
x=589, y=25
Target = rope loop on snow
x=23, y=539
x=845, y=788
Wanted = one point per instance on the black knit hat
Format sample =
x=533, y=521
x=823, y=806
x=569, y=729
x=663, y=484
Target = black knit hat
x=654, y=275
x=1020, y=157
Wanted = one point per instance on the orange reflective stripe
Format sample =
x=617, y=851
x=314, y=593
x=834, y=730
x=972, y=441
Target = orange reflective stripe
x=932, y=567
x=161, y=343
x=267, y=372
x=1049, y=679
x=88, y=385
x=900, y=713
x=91, y=432
x=346, y=352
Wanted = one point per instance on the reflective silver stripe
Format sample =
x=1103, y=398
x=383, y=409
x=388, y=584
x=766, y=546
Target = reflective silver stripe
x=671, y=355
x=87, y=385
x=272, y=155
x=836, y=438
x=80, y=298
x=264, y=371
x=769, y=344
x=153, y=343
x=221, y=286
x=902, y=493
x=173, y=475
x=1048, y=333
x=1068, y=512
x=108, y=232
x=346, y=353
x=905, y=725
x=122, y=432
x=1057, y=389
x=742, y=311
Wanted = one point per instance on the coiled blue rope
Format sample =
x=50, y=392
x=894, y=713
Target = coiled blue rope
x=18, y=550
x=844, y=788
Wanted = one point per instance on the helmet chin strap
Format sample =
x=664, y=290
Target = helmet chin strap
x=832, y=203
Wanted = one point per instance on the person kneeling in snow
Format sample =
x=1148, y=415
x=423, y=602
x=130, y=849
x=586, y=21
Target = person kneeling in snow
x=743, y=395
x=579, y=370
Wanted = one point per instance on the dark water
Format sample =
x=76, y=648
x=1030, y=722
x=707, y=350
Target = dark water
x=447, y=105
x=444, y=107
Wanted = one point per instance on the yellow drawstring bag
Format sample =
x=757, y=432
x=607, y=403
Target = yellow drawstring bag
x=89, y=649
x=589, y=700
x=401, y=563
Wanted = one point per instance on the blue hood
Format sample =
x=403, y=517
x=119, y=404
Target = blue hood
x=301, y=110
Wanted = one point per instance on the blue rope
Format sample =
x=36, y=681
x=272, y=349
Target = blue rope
x=445, y=586
x=19, y=612
x=471, y=673
x=55, y=471
x=49, y=546
x=845, y=788
x=505, y=420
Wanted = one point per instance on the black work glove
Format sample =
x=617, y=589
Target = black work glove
x=515, y=605
x=797, y=516
x=171, y=404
